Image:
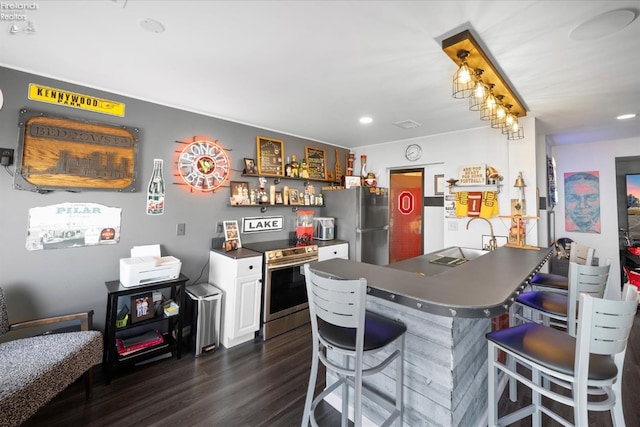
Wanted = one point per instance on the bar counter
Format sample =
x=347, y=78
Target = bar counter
x=447, y=311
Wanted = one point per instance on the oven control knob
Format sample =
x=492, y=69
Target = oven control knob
x=278, y=254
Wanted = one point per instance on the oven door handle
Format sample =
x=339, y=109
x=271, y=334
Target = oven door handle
x=297, y=263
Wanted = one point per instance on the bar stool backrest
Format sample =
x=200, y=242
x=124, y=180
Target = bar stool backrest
x=584, y=279
x=581, y=254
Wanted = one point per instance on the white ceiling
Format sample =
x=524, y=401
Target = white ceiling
x=312, y=68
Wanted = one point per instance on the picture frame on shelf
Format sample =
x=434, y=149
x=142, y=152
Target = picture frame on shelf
x=294, y=197
x=279, y=200
x=239, y=193
x=438, y=185
x=250, y=167
x=316, y=162
x=142, y=307
x=351, y=181
x=270, y=156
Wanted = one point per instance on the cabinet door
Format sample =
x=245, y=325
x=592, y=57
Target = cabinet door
x=247, y=313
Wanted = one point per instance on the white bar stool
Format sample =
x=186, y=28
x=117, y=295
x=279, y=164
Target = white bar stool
x=339, y=322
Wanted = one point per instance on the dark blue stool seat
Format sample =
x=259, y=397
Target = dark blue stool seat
x=550, y=280
x=549, y=302
x=379, y=331
x=551, y=348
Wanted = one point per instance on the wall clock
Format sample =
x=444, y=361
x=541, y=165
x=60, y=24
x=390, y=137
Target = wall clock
x=204, y=165
x=413, y=152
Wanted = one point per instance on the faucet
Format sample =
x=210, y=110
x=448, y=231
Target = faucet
x=493, y=244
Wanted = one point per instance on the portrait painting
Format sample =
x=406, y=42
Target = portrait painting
x=582, y=202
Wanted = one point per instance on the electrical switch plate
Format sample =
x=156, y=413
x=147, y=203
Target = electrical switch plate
x=180, y=229
x=6, y=156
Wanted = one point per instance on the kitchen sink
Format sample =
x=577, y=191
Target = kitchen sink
x=456, y=255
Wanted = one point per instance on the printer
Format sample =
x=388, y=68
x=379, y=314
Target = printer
x=147, y=266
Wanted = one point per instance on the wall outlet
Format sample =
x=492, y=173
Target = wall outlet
x=6, y=156
x=219, y=228
x=181, y=229
x=452, y=225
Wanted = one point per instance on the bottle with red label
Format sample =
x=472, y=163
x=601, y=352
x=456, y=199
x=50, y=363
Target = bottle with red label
x=155, y=193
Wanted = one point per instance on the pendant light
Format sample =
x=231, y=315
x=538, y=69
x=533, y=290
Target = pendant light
x=479, y=92
x=497, y=120
x=516, y=131
x=463, y=78
x=489, y=104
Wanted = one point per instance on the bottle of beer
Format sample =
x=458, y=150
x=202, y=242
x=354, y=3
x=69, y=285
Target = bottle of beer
x=294, y=167
x=155, y=193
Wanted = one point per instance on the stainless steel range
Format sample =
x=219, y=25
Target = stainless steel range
x=284, y=295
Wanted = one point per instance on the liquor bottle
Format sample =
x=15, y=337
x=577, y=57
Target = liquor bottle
x=294, y=167
x=155, y=193
x=287, y=168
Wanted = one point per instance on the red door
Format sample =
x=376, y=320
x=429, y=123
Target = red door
x=405, y=217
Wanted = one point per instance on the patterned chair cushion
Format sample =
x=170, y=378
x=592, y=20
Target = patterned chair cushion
x=34, y=370
x=4, y=316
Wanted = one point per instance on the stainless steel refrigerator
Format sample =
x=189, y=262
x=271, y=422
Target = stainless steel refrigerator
x=362, y=219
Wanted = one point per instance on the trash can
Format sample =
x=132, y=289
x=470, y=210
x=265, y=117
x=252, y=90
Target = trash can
x=207, y=300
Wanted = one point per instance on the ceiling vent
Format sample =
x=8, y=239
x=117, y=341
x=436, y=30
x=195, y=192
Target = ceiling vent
x=407, y=124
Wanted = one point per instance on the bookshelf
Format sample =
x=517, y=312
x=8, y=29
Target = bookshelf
x=150, y=335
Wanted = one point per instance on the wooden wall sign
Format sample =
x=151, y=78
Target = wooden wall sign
x=270, y=156
x=56, y=153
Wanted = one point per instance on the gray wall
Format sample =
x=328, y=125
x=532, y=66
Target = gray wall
x=49, y=282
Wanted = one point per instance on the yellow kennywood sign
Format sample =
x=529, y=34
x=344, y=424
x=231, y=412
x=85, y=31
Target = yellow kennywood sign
x=75, y=100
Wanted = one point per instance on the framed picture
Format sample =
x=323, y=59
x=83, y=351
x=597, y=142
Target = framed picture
x=294, y=198
x=316, y=162
x=250, y=166
x=239, y=193
x=142, y=307
x=351, y=181
x=279, y=199
x=231, y=230
x=438, y=185
x=270, y=156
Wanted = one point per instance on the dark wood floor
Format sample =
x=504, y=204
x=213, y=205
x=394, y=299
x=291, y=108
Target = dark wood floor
x=255, y=384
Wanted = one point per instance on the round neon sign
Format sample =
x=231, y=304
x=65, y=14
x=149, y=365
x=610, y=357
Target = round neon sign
x=204, y=165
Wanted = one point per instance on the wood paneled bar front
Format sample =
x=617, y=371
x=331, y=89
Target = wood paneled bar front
x=447, y=311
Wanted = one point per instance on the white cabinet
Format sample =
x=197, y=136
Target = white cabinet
x=241, y=283
x=340, y=250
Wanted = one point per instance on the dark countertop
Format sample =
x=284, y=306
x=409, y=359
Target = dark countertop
x=482, y=287
x=333, y=242
x=238, y=253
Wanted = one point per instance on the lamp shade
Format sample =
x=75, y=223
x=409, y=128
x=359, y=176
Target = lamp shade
x=463, y=81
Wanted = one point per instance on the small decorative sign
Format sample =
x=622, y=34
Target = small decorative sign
x=262, y=224
x=69, y=225
x=75, y=100
x=270, y=156
x=473, y=175
x=316, y=162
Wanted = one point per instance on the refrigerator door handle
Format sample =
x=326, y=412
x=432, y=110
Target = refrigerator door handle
x=364, y=230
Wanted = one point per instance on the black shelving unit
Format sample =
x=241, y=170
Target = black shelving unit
x=167, y=325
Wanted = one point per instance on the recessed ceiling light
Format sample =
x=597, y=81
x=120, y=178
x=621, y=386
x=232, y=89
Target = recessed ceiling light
x=151, y=25
x=626, y=116
x=603, y=25
x=366, y=120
